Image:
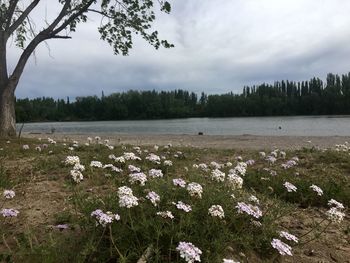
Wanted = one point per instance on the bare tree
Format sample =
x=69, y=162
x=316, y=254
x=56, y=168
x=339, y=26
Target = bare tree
x=120, y=19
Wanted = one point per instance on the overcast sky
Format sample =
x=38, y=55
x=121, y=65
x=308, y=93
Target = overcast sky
x=220, y=46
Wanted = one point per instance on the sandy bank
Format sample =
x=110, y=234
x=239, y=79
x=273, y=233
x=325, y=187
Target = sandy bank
x=209, y=141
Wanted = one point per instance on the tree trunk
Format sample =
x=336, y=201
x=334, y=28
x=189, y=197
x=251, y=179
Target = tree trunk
x=7, y=113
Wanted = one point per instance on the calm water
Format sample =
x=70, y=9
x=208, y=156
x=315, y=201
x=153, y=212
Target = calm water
x=301, y=125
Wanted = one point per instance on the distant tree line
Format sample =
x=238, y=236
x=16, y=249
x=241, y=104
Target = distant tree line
x=313, y=97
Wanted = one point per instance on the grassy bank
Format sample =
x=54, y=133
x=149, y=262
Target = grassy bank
x=93, y=202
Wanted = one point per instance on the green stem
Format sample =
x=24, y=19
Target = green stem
x=312, y=229
x=98, y=243
x=133, y=229
x=316, y=236
x=114, y=245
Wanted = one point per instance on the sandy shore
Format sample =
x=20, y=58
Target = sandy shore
x=251, y=142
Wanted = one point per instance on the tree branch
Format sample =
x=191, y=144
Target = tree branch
x=10, y=13
x=62, y=37
x=60, y=16
x=22, y=17
x=99, y=12
x=48, y=33
x=72, y=17
x=17, y=72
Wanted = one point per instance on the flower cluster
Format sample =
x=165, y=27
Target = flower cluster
x=155, y=173
x=126, y=197
x=249, y=209
x=317, y=189
x=195, y=189
x=9, y=194
x=96, y=164
x=72, y=160
x=131, y=156
x=9, y=212
x=289, y=164
x=254, y=199
x=189, y=252
x=182, y=206
x=25, y=147
x=153, y=158
x=271, y=159
x=215, y=165
x=138, y=177
x=240, y=169
x=282, y=248
x=179, y=182
x=335, y=214
x=134, y=169
x=250, y=162
x=79, y=167
x=262, y=154
x=290, y=187
x=289, y=236
x=76, y=175
x=104, y=219
x=119, y=159
x=165, y=214
x=234, y=181
x=216, y=211
x=217, y=175
x=225, y=260
x=168, y=163
x=203, y=167
x=153, y=197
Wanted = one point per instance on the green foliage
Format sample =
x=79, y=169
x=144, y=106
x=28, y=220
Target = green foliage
x=282, y=98
x=120, y=20
x=311, y=170
x=140, y=228
x=5, y=180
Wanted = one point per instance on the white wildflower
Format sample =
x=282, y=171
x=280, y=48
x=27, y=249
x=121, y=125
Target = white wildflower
x=155, y=173
x=234, y=181
x=153, y=158
x=79, y=167
x=217, y=175
x=153, y=197
x=72, y=160
x=9, y=194
x=165, y=214
x=96, y=164
x=77, y=176
x=182, y=206
x=168, y=163
x=179, y=182
x=134, y=169
x=216, y=211
x=195, y=189
x=138, y=177
x=317, y=189
x=288, y=236
x=281, y=247
x=249, y=209
x=290, y=187
x=189, y=252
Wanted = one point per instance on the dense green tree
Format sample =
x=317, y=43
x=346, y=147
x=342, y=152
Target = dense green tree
x=311, y=97
x=119, y=20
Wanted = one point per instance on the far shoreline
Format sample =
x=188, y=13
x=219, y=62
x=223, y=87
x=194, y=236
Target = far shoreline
x=238, y=142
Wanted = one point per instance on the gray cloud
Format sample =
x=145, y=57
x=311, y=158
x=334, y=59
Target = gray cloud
x=221, y=46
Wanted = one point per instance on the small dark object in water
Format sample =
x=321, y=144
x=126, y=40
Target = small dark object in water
x=279, y=127
x=200, y=133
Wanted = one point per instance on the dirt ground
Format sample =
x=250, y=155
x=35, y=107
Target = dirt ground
x=248, y=142
x=42, y=197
